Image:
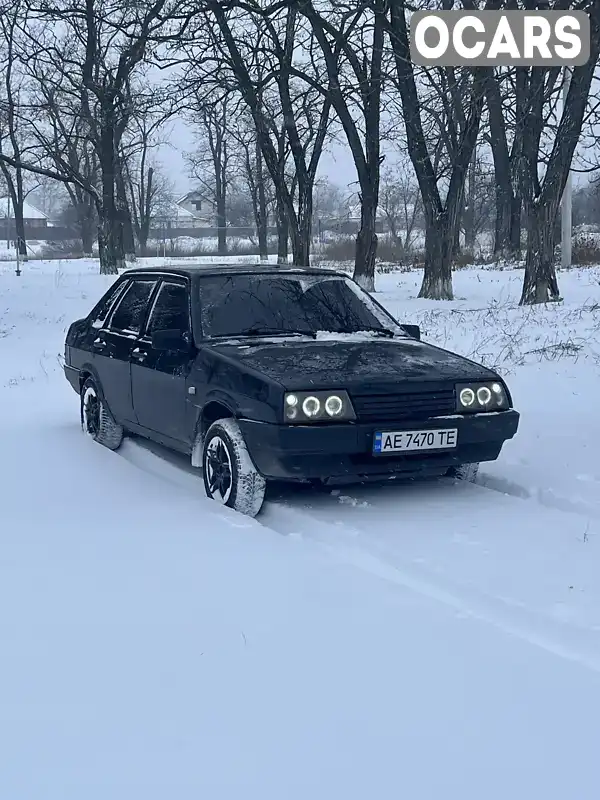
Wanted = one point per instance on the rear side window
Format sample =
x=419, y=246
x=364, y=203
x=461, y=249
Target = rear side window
x=104, y=307
x=171, y=309
x=131, y=309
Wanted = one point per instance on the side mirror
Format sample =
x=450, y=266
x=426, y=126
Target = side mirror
x=413, y=330
x=174, y=340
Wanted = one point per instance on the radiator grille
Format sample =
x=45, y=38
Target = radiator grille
x=413, y=405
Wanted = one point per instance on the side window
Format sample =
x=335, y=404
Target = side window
x=103, y=308
x=171, y=309
x=131, y=309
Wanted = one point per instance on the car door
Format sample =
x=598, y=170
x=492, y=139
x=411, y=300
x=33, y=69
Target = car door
x=113, y=345
x=158, y=377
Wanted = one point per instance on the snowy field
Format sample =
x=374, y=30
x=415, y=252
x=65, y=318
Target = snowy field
x=433, y=641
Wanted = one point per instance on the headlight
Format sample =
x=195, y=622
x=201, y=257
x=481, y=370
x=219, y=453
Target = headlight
x=334, y=405
x=302, y=407
x=480, y=397
x=311, y=406
x=467, y=397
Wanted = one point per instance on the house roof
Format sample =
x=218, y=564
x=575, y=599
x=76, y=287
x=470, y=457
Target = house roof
x=174, y=211
x=29, y=211
x=195, y=194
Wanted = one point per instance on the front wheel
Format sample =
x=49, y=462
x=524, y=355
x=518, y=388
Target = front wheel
x=230, y=477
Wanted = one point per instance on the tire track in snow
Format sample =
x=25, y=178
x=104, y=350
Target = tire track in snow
x=548, y=498
x=304, y=514
x=565, y=640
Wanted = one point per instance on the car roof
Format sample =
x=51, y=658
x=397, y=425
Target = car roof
x=231, y=269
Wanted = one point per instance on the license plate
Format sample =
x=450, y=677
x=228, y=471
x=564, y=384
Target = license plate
x=409, y=441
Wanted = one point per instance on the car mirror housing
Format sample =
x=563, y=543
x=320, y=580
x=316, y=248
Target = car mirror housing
x=413, y=330
x=175, y=340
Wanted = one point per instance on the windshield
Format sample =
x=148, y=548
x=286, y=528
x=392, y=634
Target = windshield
x=263, y=304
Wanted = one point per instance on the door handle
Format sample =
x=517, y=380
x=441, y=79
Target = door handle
x=138, y=355
x=99, y=344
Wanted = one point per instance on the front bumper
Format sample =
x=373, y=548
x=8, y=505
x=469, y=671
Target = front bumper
x=72, y=375
x=338, y=453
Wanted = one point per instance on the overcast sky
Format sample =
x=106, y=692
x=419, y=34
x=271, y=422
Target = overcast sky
x=336, y=164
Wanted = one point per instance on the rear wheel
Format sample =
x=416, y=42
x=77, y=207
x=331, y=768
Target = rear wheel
x=230, y=477
x=464, y=472
x=96, y=421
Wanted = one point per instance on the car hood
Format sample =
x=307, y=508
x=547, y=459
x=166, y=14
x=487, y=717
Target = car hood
x=347, y=363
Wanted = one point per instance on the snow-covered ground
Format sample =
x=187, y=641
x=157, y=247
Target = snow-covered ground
x=426, y=641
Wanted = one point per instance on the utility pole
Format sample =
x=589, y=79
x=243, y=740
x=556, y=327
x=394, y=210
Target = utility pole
x=566, y=213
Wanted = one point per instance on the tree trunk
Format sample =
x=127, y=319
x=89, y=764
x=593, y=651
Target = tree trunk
x=124, y=215
x=110, y=246
x=221, y=224
x=20, y=232
x=302, y=233
x=456, y=248
x=263, y=241
x=515, y=226
x=366, y=247
x=19, y=221
x=540, y=284
x=143, y=235
x=261, y=207
x=502, y=229
x=86, y=228
x=300, y=240
x=507, y=234
x=469, y=212
x=110, y=225
x=283, y=229
x=503, y=165
x=439, y=240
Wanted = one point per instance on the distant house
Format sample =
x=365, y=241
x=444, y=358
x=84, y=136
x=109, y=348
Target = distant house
x=33, y=217
x=200, y=206
x=173, y=215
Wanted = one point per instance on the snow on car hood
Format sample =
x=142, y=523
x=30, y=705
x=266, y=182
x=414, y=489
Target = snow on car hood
x=343, y=359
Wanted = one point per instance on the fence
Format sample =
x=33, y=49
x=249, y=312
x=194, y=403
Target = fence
x=60, y=233
x=65, y=233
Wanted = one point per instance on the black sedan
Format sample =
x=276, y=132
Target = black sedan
x=277, y=373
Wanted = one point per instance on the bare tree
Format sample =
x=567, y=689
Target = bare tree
x=247, y=43
x=145, y=186
x=250, y=172
x=211, y=162
x=60, y=137
x=441, y=215
x=400, y=202
x=478, y=215
x=542, y=195
x=97, y=47
x=499, y=86
x=11, y=132
x=351, y=40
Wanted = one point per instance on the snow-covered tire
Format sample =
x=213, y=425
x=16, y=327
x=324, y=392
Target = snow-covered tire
x=230, y=477
x=96, y=421
x=464, y=472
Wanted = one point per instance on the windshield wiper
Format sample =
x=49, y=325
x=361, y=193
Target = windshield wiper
x=381, y=331
x=258, y=330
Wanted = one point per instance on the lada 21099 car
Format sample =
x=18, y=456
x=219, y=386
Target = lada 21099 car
x=262, y=373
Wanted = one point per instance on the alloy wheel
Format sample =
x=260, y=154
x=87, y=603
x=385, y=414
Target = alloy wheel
x=91, y=413
x=217, y=464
